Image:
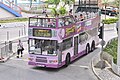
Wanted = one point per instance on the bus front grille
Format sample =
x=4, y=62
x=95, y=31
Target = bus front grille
x=41, y=59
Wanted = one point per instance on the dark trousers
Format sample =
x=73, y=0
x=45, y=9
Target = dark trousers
x=19, y=51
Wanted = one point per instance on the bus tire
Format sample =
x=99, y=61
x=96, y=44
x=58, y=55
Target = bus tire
x=87, y=49
x=67, y=61
x=93, y=46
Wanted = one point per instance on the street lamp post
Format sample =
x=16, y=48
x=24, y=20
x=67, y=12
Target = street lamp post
x=118, y=53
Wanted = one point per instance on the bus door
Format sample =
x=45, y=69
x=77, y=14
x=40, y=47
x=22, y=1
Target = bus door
x=75, y=45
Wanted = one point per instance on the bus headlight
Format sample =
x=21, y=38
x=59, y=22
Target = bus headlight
x=30, y=59
x=53, y=61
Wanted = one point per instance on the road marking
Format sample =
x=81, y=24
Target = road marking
x=81, y=66
x=19, y=59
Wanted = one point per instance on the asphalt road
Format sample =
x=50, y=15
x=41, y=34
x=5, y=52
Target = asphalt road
x=80, y=69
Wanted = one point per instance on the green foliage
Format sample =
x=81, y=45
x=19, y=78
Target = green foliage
x=62, y=11
x=110, y=20
x=54, y=12
x=56, y=2
x=116, y=2
x=14, y=20
x=112, y=50
x=50, y=1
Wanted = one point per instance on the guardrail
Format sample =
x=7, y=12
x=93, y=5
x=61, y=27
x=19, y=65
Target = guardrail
x=6, y=50
x=11, y=5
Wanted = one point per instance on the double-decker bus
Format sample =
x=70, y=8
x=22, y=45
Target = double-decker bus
x=57, y=41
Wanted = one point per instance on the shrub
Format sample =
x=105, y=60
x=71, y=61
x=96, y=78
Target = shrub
x=110, y=20
x=112, y=50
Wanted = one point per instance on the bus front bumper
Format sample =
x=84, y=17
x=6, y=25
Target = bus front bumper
x=44, y=65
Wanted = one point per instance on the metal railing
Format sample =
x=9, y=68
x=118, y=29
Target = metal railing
x=12, y=5
x=6, y=50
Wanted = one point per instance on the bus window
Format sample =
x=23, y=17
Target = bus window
x=65, y=21
x=67, y=43
x=33, y=22
x=83, y=37
x=43, y=22
x=93, y=32
x=43, y=47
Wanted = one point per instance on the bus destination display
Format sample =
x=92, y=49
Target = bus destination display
x=41, y=33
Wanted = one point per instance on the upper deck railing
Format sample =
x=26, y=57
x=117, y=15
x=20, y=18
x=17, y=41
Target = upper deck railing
x=56, y=22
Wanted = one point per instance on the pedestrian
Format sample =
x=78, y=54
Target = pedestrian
x=81, y=17
x=19, y=49
x=44, y=10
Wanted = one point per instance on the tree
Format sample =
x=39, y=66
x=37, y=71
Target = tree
x=62, y=10
x=68, y=2
x=116, y=2
x=56, y=2
x=54, y=12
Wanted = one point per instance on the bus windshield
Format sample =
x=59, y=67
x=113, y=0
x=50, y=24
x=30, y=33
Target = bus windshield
x=43, y=47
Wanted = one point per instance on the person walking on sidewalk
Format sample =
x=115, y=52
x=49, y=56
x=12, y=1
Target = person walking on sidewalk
x=19, y=48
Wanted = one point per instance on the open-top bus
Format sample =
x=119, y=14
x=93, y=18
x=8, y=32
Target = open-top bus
x=57, y=41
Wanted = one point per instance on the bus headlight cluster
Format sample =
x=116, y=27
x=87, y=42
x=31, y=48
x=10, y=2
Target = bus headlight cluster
x=30, y=59
x=53, y=61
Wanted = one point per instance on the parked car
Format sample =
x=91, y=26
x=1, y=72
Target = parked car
x=109, y=11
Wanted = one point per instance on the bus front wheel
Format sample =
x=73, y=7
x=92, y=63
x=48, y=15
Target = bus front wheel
x=87, y=49
x=67, y=61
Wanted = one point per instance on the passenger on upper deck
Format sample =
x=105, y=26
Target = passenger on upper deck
x=61, y=22
x=66, y=22
x=47, y=17
x=70, y=12
x=75, y=18
x=81, y=17
x=44, y=10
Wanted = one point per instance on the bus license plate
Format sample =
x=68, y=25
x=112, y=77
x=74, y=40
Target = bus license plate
x=41, y=65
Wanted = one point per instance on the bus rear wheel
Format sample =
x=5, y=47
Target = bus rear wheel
x=67, y=61
x=93, y=46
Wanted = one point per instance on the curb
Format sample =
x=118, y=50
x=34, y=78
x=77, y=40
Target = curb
x=7, y=58
x=92, y=65
x=94, y=70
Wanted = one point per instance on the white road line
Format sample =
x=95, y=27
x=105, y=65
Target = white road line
x=19, y=59
x=81, y=66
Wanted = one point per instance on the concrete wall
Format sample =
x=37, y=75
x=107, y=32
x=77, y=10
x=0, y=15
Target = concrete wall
x=5, y=14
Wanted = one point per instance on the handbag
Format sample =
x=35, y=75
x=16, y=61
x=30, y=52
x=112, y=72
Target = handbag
x=22, y=48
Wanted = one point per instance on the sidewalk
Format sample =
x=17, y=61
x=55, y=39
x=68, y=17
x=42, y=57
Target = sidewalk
x=106, y=73
x=7, y=55
x=14, y=36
